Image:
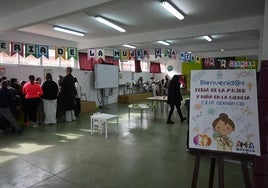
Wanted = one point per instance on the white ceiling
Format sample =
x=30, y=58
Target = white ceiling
x=235, y=25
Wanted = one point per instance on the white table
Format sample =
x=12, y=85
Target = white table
x=103, y=117
x=161, y=99
x=141, y=107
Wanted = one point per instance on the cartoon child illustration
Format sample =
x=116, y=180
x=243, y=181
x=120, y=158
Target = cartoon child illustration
x=223, y=126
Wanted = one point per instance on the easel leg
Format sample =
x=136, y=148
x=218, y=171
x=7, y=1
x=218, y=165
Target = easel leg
x=221, y=172
x=196, y=169
x=212, y=172
x=246, y=174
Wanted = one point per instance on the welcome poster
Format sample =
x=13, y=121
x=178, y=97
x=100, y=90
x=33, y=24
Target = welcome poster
x=224, y=111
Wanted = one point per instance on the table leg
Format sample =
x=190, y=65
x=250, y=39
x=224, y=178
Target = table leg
x=91, y=122
x=128, y=113
x=106, y=129
x=117, y=125
x=154, y=112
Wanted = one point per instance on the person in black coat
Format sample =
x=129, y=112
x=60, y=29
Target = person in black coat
x=49, y=98
x=68, y=93
x=174, y=98
x=6, y=100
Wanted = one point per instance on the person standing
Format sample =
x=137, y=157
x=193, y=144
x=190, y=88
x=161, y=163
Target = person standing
x=68, y=93
x=154, y=89
x=166, y=84
x=40, y=108
x=77, y=109
x=174, y=98
x=23, y=104
x=6, y=101
x=50, y=93
x=33, y=93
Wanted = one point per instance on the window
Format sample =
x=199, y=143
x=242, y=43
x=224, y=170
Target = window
x=130, y=66
x=59, y=62
x=31, y=60
x=6, y=59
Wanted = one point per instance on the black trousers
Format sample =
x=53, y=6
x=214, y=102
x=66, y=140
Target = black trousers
x=77, y=109
x=32, y=105
x=172, y=107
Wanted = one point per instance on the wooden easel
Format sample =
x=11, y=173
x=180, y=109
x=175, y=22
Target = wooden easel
x=220, y=156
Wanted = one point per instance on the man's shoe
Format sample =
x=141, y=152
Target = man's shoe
x=170, y=122
x=182, y=120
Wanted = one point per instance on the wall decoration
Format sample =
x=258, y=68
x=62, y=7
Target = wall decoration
x=169, y=67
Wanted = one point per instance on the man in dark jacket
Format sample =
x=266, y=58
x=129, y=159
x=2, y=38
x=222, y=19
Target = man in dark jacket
x=174, y=98
x=68, y=93
x=6, y=101
x=50, y=94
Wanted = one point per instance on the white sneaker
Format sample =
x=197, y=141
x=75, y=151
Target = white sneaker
x=35, y=125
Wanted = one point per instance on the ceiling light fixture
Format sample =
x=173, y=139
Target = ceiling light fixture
x=129, y=46
x=172, y=10
x=110, y=24
x=208, y=38
x=163, y=42
x=69, y=31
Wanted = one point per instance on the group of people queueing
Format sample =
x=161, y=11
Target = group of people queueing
x=22, y=104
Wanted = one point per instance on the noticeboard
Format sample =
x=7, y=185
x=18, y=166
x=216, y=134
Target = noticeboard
x=224, y=111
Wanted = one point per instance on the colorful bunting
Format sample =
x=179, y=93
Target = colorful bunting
x=100, y=54
x=97, y=54
x=30, y=49
x=42, y=51
x=4, y=47
x=16, y=47
x=124, y=55
x=168, y=52
x=116, y=54
x=182, y=56
x=146, y=54
x=192, y=58
x=132, y=54
x=187, y=56
x=91, y=54
x=60, y=52
x=157, y=53
x=72, y=52
x=173, y=53
x=139, y=54
x=197, y=59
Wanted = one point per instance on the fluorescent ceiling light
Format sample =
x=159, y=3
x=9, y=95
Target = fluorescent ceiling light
x=69, y=31
x=106, y=22
x=208, y=38
x=163, y=42
x=129, y=46
x=172, y=10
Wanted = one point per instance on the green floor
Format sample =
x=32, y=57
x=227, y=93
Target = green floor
x=140, y=153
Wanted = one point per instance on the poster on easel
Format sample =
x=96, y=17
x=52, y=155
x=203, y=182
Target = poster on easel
x=224, y=111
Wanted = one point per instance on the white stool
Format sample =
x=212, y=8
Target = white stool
x=97, y=124
x=100, y=120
